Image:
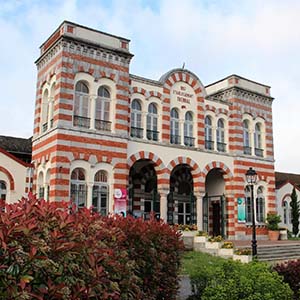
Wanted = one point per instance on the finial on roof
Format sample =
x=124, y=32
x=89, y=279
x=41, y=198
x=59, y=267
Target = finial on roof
x=183, y=65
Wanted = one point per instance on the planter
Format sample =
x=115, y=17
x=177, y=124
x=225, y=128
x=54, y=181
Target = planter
x=200, y=239
x=225, y=252
x=283, y=234
x=242, y=258
x=213, y=245
x=273, y=235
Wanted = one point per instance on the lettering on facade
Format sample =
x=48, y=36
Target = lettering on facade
x=182, y=95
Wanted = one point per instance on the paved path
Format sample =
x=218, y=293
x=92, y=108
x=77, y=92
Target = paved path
x=185, y=288
x=247, y=243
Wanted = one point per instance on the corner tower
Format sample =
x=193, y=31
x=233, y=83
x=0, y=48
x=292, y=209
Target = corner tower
x=81, y=115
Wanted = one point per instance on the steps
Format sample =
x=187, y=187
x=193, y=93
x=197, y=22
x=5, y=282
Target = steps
x=280, y=252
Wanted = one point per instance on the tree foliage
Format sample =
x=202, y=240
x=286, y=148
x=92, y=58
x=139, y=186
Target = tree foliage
x=295, y=212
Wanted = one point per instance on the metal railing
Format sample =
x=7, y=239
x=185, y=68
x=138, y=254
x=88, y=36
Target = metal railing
x=221, y=147
x=209, y=145
x=81, y=121
x=102, y=125
x=45, y=126
x=259, y=152
x=189, y=141
x=175, y=139
x=152, y=135
x=247, y=150
x=136, y=132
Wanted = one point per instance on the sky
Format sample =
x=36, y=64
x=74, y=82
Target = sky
x=259, y=40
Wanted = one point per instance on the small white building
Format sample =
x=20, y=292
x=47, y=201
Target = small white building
x=15, y=168
x=285, y=182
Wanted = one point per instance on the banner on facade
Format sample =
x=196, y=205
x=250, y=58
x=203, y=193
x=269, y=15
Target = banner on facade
x=120, y=197
x=241, y=210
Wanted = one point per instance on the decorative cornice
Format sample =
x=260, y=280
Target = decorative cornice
x=86, y=49
x=241, y=93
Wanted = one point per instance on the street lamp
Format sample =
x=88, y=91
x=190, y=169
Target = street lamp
x=251, y=177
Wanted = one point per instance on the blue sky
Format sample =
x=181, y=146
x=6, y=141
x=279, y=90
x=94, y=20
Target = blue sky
x=259, y=40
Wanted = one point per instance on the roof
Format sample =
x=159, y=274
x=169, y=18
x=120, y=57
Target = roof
x=16, y=145
x=282, y=178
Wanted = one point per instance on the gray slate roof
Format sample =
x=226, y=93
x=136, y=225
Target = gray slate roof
x=15, y=145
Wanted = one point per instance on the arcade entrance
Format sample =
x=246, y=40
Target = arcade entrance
x=181, y=199
x=143, y=195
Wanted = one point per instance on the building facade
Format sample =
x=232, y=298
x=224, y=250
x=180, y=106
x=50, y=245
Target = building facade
x=285, y=183
x=112, y=140
x=16, y=170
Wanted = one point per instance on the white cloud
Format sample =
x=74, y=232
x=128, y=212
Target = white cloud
x=256, y=39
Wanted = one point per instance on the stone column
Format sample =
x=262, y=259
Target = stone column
x=199, y=208
x=92, y=111
x=163, y=204
x=89, y=194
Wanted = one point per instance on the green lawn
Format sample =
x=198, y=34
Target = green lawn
x=192, y=261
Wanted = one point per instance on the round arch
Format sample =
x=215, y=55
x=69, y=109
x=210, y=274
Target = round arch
x=10, y=178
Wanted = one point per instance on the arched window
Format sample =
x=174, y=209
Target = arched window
x=45, y=111
x=174, y=134
x=81, y=105
x=152, y=133
x=41, y=189
x=78, y=187
x=3, y=190
x=258, y=140
x=102, y=107
x=100, y=193
x=285, y=212
x=136, y=119
x=260, y=205
x=221, y=146
x=189, y=139
x=51, y=105
x=246, y=137
x=248, y=204
x=209, y=144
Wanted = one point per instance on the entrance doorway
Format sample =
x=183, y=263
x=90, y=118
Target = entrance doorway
x=143, y=195
x=214, y=204
x=181, y=199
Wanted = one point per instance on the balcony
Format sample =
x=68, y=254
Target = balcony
x=51, y=123
x=221, y=147
x=189, y=141
x=152, y=135
x=102, y=125
x=81, y=121
x=175, y=139
x=247, y=150
x=136, y=132
x=259, y=152
x=209, y=145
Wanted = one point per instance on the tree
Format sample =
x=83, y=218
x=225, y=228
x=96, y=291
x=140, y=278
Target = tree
x=295, y=212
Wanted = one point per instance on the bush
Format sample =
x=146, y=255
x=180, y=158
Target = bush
x=236, y=281
x=291, y=273
x=51, y=251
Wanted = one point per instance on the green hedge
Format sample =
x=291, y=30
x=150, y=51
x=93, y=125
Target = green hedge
x=218, y=279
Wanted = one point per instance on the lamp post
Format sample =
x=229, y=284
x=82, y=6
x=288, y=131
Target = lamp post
x=251, y=177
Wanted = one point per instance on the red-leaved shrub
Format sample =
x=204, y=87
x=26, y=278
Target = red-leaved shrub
x=49, y=250
x=290, y=271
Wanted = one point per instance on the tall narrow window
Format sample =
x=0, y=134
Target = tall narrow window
x=45, y=111
x=221, y=146
x=174, y=134
x=248, y=204
x=81, y=105
x=136, y=119
x=78, y=187
x=260, y=205
x=152, y=133
x=209, y=144
x=3, y=190
x=258, y=140
x=189, y=139
x=246, y=137
x=102, y=107
x=100, y=193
